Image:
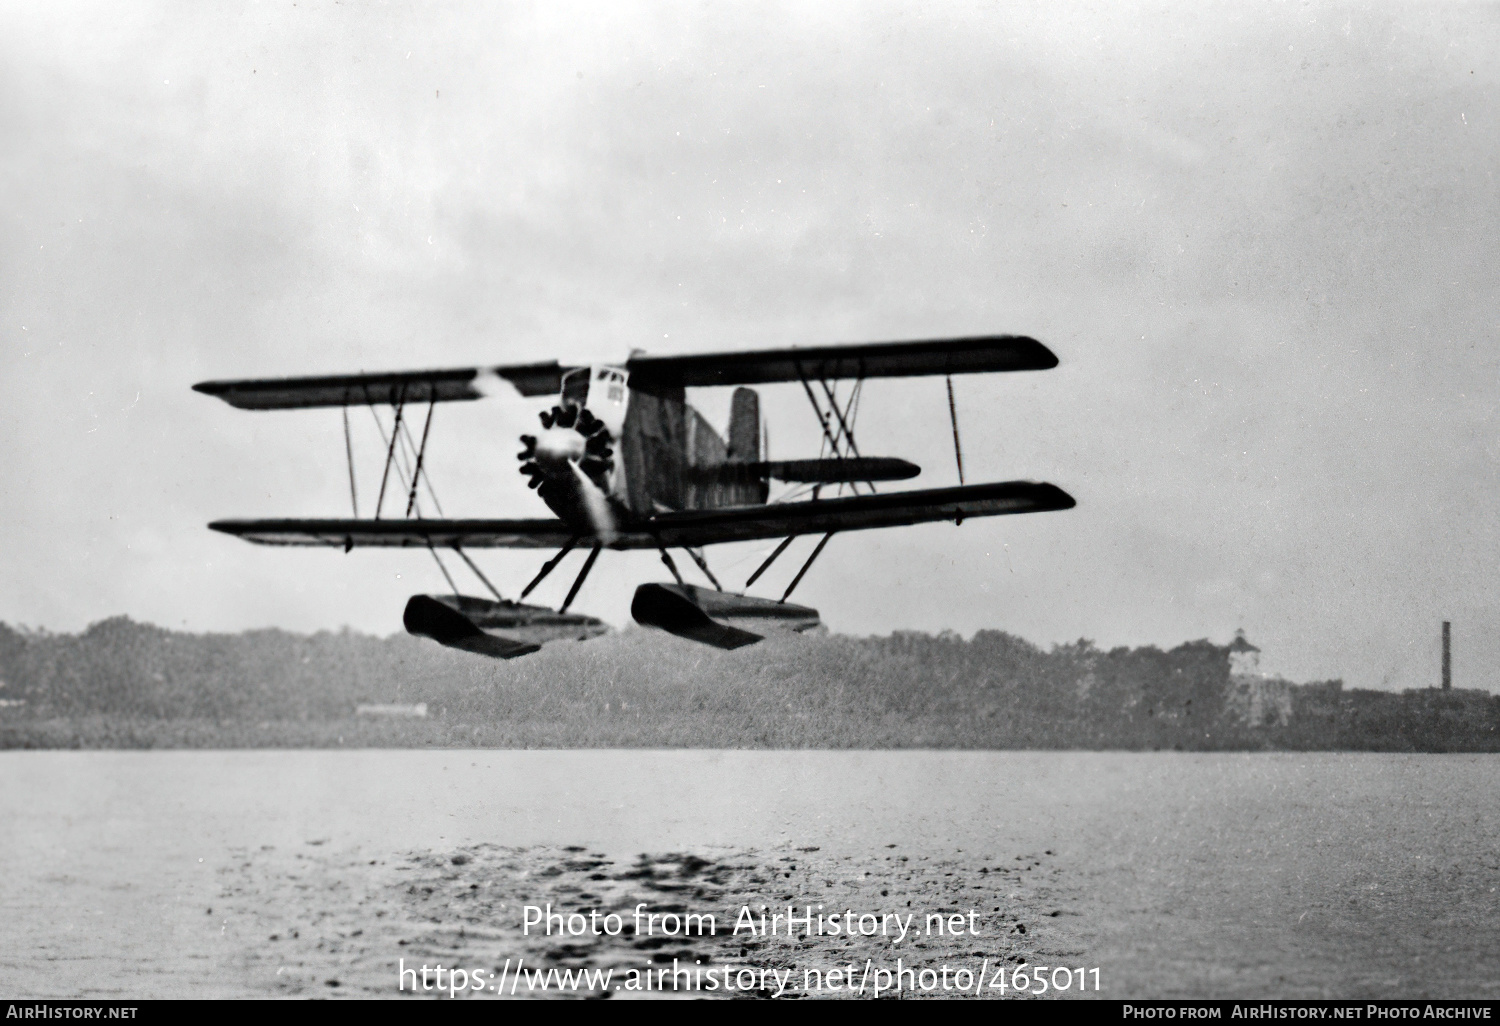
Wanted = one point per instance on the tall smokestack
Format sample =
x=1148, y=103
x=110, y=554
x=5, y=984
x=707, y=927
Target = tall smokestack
x=1447, y=655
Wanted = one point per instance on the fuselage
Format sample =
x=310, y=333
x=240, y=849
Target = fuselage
x=640, y=453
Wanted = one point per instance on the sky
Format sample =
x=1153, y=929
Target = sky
x=1261, y=238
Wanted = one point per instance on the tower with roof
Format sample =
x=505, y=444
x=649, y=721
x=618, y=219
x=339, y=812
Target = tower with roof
x=1244, y=658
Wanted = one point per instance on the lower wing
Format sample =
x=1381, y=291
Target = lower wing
x=691, y=528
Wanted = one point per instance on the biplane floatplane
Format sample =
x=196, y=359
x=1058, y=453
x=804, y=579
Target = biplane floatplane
x=626, y=463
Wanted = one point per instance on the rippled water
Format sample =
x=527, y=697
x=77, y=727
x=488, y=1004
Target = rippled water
x=1355, y=875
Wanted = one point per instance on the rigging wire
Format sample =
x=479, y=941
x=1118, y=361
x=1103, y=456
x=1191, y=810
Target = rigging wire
x=477, y=573
x=406, y=454
x=396, y=455
x=390, y=452
x=416, y=480
x=349, y=454
x=828, y=437
x=425, y=476
x=846, y=428
x=446, y=576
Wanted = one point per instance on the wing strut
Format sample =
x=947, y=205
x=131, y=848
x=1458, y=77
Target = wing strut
x=958, y=452
x=697, y=555
x=390, y=453
x=805, y=566
x=588, y=564
x=838, y=433
x=549, y=566
x=349, y=454
x=822, y=417
x=416, y=474
x=406, y=472
x=402, y=452
x=833, y=404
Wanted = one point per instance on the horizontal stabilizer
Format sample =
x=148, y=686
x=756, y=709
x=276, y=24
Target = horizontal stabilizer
x=829, y=471
x=718, y=618
x=844, y=471
x=502, y=630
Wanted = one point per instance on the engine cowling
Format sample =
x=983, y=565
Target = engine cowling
x=571, y=464
x=570, y=434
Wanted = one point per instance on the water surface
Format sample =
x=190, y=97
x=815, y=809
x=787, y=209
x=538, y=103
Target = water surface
x=1185, y=874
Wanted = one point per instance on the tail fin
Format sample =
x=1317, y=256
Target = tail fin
x=744, y=447
x=744, y=426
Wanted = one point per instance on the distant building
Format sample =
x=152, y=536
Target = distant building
x=1244, y=658
x=1254, y=699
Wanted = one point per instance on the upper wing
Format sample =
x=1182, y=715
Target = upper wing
x=422, y=386
x=870, y=360
x=691, y=528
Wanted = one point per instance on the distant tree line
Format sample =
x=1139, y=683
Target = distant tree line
x=121, y=683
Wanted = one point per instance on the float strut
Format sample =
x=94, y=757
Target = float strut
x=588, y=564
x=798, y=579
x=703, y=565
x=549, y=566
x=769, y=560
x=670, y=565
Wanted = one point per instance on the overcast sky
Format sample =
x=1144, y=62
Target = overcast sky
x=1262, y=238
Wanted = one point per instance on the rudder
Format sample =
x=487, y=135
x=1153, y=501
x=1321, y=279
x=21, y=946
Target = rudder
x=744, y=447
x=744, y=426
